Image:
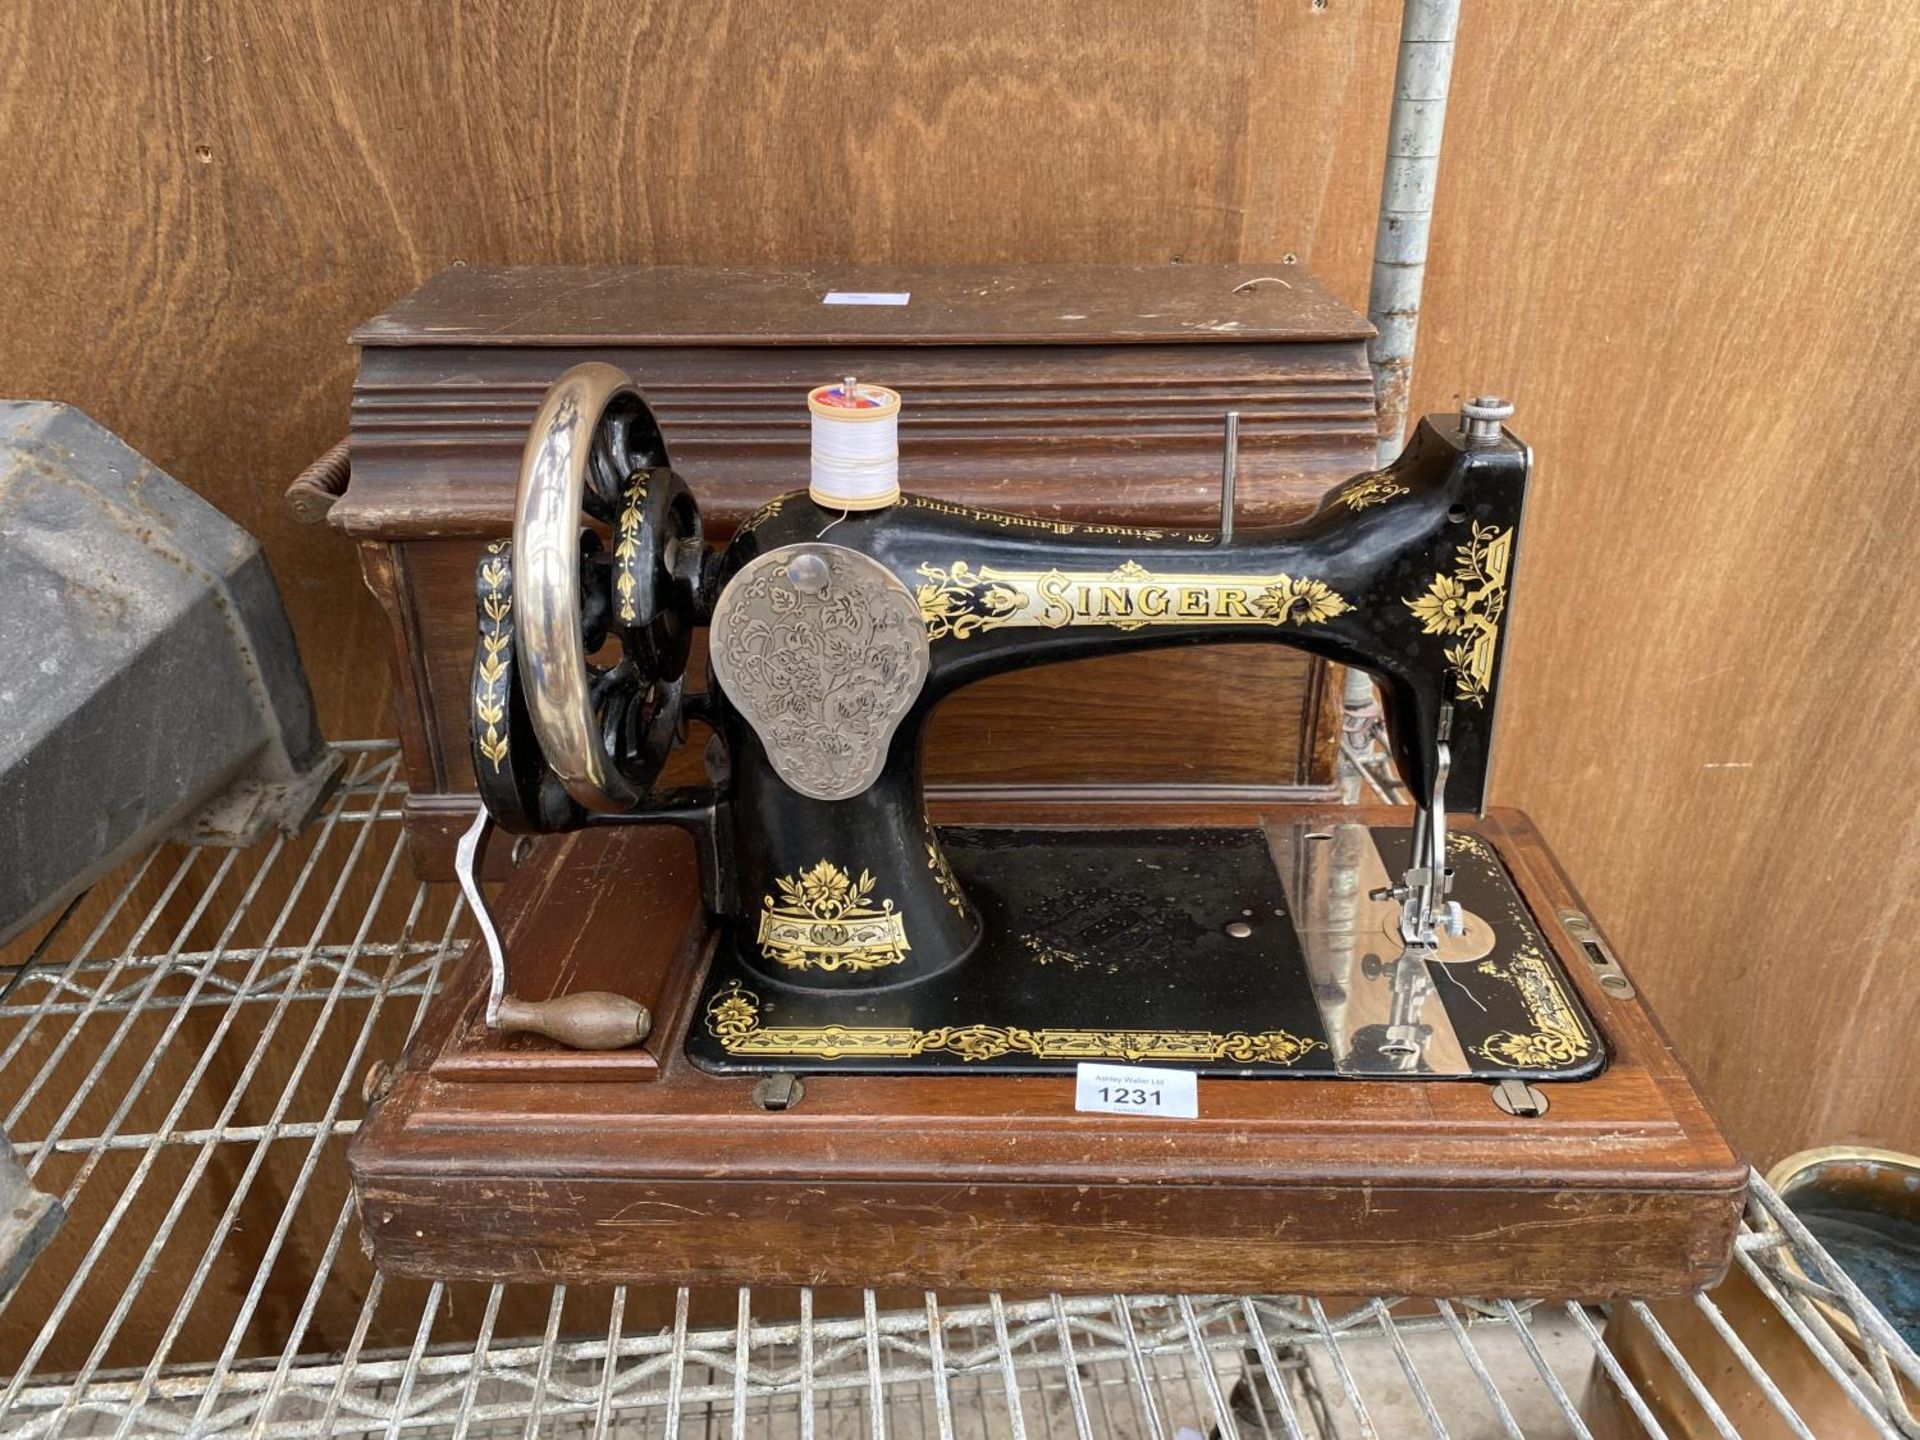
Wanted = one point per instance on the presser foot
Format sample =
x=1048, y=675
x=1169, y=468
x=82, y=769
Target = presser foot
x=588, y=1020
x=1422, y=928
x=1473, y=1004
x=1426, y=912
x=1474, y=940
x=1423, y=923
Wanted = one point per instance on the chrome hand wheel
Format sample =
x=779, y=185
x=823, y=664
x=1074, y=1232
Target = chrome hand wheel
x=554, y=733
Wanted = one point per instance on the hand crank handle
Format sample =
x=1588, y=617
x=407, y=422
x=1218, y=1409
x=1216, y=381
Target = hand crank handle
x=590, y=1020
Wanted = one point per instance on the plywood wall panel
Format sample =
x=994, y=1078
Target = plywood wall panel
x=1693, y=271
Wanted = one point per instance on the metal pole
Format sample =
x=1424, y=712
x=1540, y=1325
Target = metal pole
x=1419, y=115
x=1406, y=206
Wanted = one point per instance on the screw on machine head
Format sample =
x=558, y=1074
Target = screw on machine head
x=1481, y=419
x=808, y=573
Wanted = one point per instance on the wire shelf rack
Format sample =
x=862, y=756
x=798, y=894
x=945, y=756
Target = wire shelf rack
x=181, y=1064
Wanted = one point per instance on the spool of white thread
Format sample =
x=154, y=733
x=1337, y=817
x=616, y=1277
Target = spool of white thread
x=856, y=446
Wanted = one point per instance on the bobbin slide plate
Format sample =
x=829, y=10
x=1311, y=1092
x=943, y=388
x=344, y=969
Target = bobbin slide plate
x=822, y=649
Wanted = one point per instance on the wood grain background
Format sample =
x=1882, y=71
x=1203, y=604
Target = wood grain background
x=1678, y=236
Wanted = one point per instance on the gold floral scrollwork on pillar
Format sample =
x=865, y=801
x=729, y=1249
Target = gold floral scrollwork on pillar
x=943, y=874
x=626, y=549
x=824, y=919
x=1469, y=604
x=490, y=673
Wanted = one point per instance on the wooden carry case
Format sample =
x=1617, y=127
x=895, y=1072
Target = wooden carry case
x=1090, y=394
x=488, y=1156
x=1074, y=392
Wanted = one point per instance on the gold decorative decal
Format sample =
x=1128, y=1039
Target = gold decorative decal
x=1045, y=952
x=1375, y=489
x=1556, y=1038
x=943, y=875
x=490, y=688
x=825, y=920
x=1465, y=842
x=733, y=1018
x=760, y=517
x=626, y=548
x=1469, y=603
x=1053, y=527
x=959, y=601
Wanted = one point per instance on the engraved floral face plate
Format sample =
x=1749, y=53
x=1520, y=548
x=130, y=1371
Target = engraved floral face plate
x=823, y=651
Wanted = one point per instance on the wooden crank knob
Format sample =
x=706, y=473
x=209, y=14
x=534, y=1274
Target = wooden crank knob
x=589, y=1020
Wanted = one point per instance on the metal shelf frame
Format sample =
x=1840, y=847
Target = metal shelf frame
x=180, y=1062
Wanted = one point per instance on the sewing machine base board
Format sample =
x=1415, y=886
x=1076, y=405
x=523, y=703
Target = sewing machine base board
x=1115, y=944
x=508, y=1159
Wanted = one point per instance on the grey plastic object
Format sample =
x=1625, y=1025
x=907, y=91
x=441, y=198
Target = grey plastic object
x=28, y=1219
x=149, y=685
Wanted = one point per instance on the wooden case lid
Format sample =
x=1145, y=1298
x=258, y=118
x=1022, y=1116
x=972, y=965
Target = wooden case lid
x=1074, y=392
x=961, y=305
x=1082, y=391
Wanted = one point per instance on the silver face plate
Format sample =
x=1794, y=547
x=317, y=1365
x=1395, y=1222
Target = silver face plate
x=822, y=649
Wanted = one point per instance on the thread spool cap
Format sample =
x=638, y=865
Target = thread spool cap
x=850, y=400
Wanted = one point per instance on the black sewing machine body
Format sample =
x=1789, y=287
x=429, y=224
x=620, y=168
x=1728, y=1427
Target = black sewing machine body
x=1354, y=583
x=856, y=936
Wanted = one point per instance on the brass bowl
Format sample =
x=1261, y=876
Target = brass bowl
x=1883, y=1182
x=1881, y=1179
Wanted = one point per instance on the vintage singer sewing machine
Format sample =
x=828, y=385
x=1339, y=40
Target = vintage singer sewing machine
x=1422, y=1067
